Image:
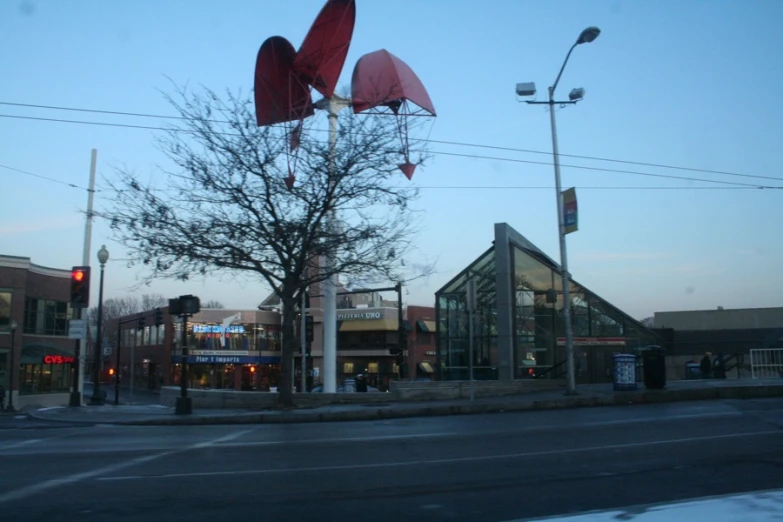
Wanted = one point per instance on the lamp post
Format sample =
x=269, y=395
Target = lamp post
x=12, y=367
x=96, y=399
x=576, y=95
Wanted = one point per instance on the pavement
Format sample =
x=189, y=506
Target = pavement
x=589, y=396
x=460, y=468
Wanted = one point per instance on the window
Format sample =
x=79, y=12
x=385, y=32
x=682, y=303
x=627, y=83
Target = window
x=44, y=378
x=44, y=317
x=5, y=308
x=268, y=338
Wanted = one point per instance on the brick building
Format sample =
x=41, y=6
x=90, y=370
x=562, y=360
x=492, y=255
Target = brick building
x=38, y=369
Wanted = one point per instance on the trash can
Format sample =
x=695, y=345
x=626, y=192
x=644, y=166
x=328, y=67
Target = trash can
x=625, y=371
x=349, y=386
x=692, y=371
x=654, y=368
x=361, y=384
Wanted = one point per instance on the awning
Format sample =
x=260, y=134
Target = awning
x=370, y=325
x=35, y=353
x=427, y=326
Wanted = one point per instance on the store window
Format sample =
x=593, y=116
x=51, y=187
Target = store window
x=208, y=337
x=53, y=375
x=5, y=308
x=268, y=338
x=46, y=317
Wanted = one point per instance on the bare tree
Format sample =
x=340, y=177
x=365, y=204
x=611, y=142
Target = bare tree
x=150, y=301
x=648, y=322
x=113, y=308
x=213, y=303
x=226, y=209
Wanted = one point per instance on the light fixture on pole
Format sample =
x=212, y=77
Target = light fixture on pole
x=576, y=95
x=97, y=399
x=12, y=367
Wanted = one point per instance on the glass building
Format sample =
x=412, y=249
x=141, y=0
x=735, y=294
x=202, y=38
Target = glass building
x=518, y=327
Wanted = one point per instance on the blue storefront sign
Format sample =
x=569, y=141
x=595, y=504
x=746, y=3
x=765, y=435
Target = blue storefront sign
x=227, y=359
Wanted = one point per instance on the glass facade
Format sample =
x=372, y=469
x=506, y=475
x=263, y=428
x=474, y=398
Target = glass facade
x=46, y=317
x=453, y=348
x=536, y=329
x=244, y=337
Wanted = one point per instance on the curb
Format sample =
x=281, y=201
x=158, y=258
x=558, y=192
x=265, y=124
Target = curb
x=438, y=410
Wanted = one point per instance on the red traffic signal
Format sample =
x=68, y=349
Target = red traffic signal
x=80, y=286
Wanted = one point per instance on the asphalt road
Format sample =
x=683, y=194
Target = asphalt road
x=460, y=468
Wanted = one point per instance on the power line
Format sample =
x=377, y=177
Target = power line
x=471, y=156
x=605, y=187
x=47, y=178
x=465, y=187
x=439, y=142
x=618, y=171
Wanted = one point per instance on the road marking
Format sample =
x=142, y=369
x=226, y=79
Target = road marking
x=446, y=461
x=20, y=444
x=35, y=489
x=639, y=420
x=342, y=439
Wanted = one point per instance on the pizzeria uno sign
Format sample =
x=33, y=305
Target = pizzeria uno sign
x=58, y=359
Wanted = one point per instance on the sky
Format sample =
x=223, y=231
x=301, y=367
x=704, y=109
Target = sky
x=689, y=84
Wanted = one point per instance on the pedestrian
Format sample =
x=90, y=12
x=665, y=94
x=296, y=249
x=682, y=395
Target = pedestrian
x=705, y=366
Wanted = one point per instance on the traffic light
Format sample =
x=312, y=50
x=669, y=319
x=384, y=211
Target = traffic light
x=309, y=335
x=140, y=323
x=111, y=372
x=80, y=287
x=158, y=317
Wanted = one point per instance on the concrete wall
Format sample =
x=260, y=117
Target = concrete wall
x=400, y=391
x=721, y=319
x=229, y=399
x=43, y=400
x=421, y=390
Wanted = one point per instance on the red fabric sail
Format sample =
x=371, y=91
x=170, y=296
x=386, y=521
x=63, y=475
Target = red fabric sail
x=320, y=60
x=280, y=95
x=382, y=79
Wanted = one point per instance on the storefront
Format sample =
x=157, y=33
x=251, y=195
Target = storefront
x=237, y=350
x=44, y=369
x=367, y=343
x=228, y=369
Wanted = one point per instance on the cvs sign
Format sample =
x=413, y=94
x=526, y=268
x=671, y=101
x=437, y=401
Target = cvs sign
x=58, y=359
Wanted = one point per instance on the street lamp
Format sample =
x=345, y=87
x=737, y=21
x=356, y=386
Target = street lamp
x=576, y=95
x=96, y=399
x=12, y=370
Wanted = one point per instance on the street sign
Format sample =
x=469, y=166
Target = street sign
x=77, y=328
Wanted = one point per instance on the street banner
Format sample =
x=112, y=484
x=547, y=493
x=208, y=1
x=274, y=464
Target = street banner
x=570, y=215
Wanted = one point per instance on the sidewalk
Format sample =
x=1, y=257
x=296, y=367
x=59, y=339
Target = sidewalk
x=589, y=396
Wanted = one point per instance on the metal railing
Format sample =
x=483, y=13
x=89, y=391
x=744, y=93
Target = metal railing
x=553, y=372
x=766, y=363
